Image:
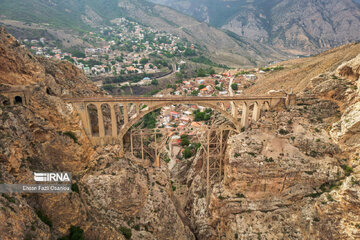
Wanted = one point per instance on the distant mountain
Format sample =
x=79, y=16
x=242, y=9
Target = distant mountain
x=83, y=15
x=299, y=27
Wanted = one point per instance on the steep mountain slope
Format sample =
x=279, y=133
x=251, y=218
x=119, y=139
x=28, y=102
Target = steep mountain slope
x=46, y=136
x=295, y=174
x=298, y=27
x=298, y=73
x=81, y=15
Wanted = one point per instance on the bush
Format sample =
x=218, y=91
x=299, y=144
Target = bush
x=240, y=195
x=202, y=86
x=201, y=72
x=75, y=188
x=202, y=116
x=155, y=82
x=78, y=54
x=137, y=227
x=348, y=170
x=195, y=93
x=234, y=86
x=144, y=61
x=283, y=132
x=108, y=87
x=187, y=153
x=185, y=140
x=10, y=199
x=44, y=218
x=76, y=233
x=126, y=232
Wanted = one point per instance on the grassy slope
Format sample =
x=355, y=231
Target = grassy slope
x=64, y=13
x=67, y=14
x=39, y=11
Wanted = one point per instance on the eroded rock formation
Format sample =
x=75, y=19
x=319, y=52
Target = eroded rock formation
x=294, y=175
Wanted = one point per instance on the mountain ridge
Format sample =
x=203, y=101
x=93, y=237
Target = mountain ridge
x=302, y=28
x=82, y=15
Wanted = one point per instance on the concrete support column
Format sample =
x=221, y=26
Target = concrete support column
x=234, y=110
x=137, y=106
x=290, y=100
x=12, y=100
x=100, y=121
x=126, y=116
x=113, y=120
x=256, y=112
x=244, y=117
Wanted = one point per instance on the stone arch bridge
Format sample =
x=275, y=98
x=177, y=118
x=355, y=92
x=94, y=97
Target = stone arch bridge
x=127, y=111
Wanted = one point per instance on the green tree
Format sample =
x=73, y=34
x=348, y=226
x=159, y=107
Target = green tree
x=202, y=116
x=187, y=153
x=195, y=92
x=184, y=140
x=202, y=86
x=211, y=71
x=189, y=52
x=234, y=86
x=200, y=72
x=78, y=54
x=144, y=61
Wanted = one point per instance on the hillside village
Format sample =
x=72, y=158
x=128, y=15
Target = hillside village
x=126, y=47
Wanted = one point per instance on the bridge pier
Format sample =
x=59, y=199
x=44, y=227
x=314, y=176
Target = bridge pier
x=244, y=117
x=126, y=115
x=256, y=112
x=113, y=120
x=137, y=107
x=227, y=106
x=100, y=121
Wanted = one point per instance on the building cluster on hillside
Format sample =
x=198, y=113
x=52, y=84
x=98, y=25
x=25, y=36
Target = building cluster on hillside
x=124, y=48
x=181, y=118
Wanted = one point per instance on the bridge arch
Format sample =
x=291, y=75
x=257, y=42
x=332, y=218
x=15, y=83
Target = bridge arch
x=150, y=109
x=266, y=106
x=105, y=109
x=93, y=120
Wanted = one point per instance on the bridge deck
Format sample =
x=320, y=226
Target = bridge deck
x=172, y=99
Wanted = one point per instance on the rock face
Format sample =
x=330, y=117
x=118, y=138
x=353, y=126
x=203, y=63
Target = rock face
x=120, y=193
x=280, y=182
x=115, y=195
x=293, y=175
x=298, y=27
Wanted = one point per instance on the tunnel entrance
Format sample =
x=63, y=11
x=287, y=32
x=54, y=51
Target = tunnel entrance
x=18, y=100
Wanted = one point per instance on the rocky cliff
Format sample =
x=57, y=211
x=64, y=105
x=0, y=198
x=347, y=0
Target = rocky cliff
x=294, y=175
x=112, y=196
x=298, y=27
